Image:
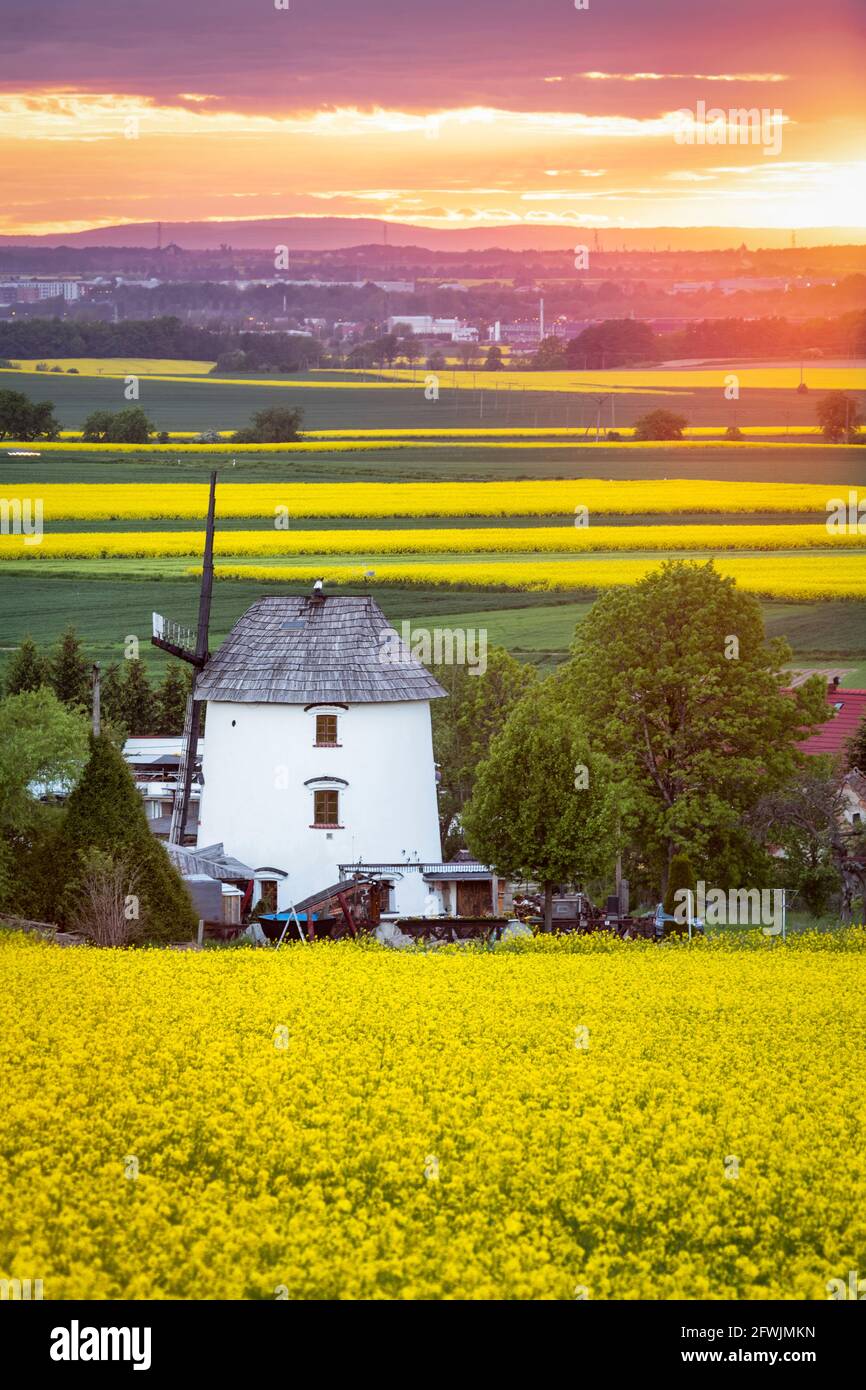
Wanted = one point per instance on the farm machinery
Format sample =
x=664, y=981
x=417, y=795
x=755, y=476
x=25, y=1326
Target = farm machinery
x=358, y=907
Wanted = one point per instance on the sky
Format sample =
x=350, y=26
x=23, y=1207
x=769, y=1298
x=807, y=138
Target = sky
x=441, y=113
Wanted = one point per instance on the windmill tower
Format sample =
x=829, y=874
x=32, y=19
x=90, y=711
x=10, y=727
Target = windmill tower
x=191, y=647
x=319, y=749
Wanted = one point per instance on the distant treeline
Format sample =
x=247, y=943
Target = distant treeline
x=614, y=342
x=162, y=337
x=626, y=342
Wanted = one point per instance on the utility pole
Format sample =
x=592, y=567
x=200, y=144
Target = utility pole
x=97, y=716
x=197, y=656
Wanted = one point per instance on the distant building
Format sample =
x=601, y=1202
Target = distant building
x=425, y=324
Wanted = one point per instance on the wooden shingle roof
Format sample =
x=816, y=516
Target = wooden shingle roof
x=294, y=650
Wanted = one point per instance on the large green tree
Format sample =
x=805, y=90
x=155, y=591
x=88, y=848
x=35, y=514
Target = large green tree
x=543, y=804
x=463, y=725
x=105, y=813
x=129, y=426
x=43, y=747
x=21, y=418
x=681, y=690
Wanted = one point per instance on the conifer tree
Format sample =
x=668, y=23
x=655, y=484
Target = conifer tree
x=111, y=695
x=106, y=813
x=70, y=673
x=138, y=706
x=171, y=701
x=27, y=669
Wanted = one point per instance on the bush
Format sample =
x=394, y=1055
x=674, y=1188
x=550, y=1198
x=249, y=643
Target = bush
x=660, y=424
x=104, y=900
x=278, y=425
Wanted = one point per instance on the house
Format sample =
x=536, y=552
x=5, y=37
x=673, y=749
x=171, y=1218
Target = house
x=854, y=799
x=846, y=709
x=155, y=762
x=460, y=888
x=319, y=748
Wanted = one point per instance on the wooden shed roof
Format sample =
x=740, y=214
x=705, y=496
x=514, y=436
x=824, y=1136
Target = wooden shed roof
x=294, y=650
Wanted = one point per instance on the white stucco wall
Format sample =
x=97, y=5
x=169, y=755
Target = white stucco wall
x=257, y=759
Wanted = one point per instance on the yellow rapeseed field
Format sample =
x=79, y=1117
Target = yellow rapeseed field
x=535, y=497
x=804, y=576
x=467, y=540
x=845, y=378
x=118, y=366
x=567, y=1121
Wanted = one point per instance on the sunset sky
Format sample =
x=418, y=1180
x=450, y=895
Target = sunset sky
x=460, y=113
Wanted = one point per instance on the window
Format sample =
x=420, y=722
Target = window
x=326, y=731
x=326, y=808
x=269, y=893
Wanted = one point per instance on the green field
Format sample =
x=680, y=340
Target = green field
x=837, y=466
x=537, y=627
x=211, y=403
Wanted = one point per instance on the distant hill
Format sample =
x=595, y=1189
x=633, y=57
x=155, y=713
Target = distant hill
x=337, y=233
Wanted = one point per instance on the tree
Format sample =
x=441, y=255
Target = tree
x=106, y=813
x=111, y=695
x=550, y=355
x=805, y=818
x=856, y=749
x=542, y=806
x=27, y=669
x=494, y=362
x=675, y=680
x=614, y=343
x=130, y=426
x=43, y=745
x=70, y=674
x=464, y=724
x=660, y=424
x=138, y=709
x=21, y=418
x=838, y=417
x=277, y=425
x=680, y=878
x=171, y=701
x=436, y=362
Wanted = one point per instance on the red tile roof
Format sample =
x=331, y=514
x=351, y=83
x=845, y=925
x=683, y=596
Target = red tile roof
x=847, y=708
